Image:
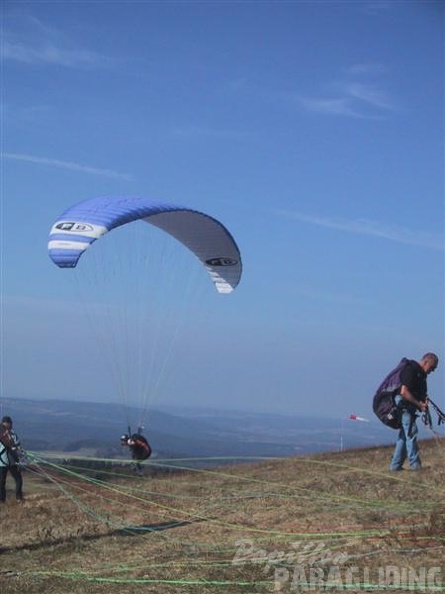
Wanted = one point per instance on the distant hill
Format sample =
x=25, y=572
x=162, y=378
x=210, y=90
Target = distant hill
x=59, y=425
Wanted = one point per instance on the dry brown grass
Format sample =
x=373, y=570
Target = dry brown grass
x=180, y=532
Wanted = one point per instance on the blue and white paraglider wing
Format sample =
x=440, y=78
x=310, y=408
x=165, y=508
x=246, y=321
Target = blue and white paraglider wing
x=82, y=224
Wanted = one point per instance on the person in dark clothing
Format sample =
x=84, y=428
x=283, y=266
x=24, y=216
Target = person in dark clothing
x=412, y=398
x=9, y=459
x=139, y=448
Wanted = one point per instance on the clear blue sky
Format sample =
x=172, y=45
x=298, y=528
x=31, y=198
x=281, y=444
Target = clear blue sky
x=313, y=130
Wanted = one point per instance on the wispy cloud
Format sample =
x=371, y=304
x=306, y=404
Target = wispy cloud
x=66, y=165
x=369, y=94
x=361, y=94
x=335, y=106
x=358, y=91
x=48, y=53
x=30, y=41
x=369, y=227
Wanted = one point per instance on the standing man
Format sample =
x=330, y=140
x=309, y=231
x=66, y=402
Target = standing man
x=412, y=398
x=9, y=459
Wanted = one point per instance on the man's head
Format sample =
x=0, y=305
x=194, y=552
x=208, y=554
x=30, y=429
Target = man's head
x=7, y=422
x=429, y=362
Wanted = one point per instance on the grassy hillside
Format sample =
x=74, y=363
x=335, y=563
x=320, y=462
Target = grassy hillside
x=248, y=528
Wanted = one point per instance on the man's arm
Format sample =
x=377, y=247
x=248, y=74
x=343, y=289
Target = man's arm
x=406, y=395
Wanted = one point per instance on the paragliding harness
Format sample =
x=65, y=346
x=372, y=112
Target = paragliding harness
x=389, y=412
x=8, y=448
x=384, y=405
x=140, y=448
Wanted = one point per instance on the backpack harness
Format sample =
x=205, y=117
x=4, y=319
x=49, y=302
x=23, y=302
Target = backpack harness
x=384, y=405
x=388, y=411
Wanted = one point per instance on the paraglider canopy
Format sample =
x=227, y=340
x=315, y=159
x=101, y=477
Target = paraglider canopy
x=82, y=224
x=140, y=287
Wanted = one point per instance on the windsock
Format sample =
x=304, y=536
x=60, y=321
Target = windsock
x=353, y=417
